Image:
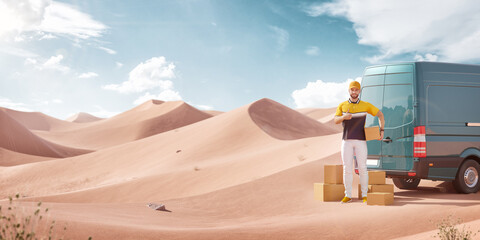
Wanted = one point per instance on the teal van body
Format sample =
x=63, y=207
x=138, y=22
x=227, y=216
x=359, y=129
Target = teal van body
x=432, y=117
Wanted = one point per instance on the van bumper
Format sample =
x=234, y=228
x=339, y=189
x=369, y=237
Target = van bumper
x=433, y=168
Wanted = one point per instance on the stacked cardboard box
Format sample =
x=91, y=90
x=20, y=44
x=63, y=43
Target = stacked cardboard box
x=332, y=188
x=379, y=193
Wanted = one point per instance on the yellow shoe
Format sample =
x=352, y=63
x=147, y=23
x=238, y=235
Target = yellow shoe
x=346, y=200
x=364, y=199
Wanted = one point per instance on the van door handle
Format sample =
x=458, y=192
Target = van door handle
x=387, y=140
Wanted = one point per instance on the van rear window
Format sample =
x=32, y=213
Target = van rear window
x=373, y=80
x=398, y=105
x=375, y=70
x=373, y=95
x=401, y=68
x=399, y=78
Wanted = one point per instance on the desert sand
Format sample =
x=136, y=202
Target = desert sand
x=242, y=174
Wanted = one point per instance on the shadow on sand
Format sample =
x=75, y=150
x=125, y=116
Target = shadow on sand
x=442, y=194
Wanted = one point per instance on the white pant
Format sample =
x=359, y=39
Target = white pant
x=359, y=149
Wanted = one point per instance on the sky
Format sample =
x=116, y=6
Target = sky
x=105, y=57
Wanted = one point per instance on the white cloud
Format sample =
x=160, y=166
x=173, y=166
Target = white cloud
x=18, y=38
x=165, y=95
x=119, y=64
x=42, y=102
x=23, y=20
x=47, y=36
x=102, y=113
x=282, y=36
x=451, y=32
x=17, y=51
x=321, y=94
x=108, y=50
x=21, y=15
x=204, y=107
x=7, y=103
x=428, y=57
x=62, y=18
x=153, y=73
x=30, y=61
x=312, y=51
x=53, y=63
x=88, y=75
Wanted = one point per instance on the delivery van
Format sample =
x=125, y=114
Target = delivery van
x=432, y=130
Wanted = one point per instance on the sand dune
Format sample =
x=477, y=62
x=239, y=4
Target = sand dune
x=213, y=112
x=186, y=162
x=16, y=137
x=323, y=115
x=243, y=174
x=11, y=158
x=82, y=117
x=284, y=123
x=318, y=113
x=147, y=119
x=37, y=120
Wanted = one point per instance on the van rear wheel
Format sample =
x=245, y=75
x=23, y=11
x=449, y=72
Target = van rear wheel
x=406, y=183
x=467, y=180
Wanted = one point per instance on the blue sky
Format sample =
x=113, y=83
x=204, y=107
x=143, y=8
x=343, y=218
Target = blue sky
x=105, y=57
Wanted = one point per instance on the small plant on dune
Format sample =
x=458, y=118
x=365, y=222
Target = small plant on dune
x=448, y=230
x=16, y=225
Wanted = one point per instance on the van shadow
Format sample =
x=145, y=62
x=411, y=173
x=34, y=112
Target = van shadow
x=443, y=194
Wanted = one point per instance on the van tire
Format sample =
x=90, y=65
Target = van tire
x=467, y=180
x=406, y=183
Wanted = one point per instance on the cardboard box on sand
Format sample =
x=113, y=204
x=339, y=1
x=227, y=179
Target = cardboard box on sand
x=379, y=193
x=332, y=188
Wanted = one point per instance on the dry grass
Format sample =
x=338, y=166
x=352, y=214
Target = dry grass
x=17, y=224
x=448, y=229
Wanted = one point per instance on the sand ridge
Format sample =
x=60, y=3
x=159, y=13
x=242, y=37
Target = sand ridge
x=37, y=120
x=150, y=118
x=16, y=137
x=222, y=149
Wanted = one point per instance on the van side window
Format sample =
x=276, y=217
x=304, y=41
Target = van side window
x=453, y=105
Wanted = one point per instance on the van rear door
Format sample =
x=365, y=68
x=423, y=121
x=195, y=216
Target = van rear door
x=398, y=100
x=391, y=89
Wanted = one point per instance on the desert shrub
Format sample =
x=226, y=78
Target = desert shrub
x=448, y=230
x=16, y=224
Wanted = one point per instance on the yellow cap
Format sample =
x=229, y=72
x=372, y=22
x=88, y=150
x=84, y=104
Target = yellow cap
x=354, y=84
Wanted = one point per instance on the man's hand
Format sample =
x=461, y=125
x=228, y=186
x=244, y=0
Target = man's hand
x=381, y=136
x=347, y=115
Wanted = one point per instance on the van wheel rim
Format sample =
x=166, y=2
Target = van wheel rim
x=471, y=177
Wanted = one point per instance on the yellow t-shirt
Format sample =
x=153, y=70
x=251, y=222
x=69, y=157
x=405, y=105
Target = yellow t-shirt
x=354, y=128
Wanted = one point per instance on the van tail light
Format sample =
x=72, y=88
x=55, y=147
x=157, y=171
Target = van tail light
x=419, y=142
x=412, y=174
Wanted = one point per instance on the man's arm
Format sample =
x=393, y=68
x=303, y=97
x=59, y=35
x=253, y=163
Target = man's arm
x=382, y=123
x=340, y=119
